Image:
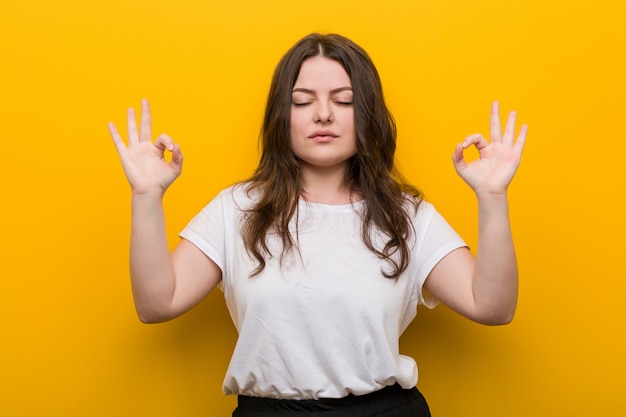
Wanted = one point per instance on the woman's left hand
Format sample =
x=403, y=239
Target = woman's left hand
x=493, y=171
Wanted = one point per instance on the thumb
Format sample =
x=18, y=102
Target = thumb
x=166, y=143
x=177, y=155
x=458, y=159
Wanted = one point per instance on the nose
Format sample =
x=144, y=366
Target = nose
x=323, y=112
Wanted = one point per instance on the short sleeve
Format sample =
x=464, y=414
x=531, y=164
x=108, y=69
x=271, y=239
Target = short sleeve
x=435, y=238
x=207, y=231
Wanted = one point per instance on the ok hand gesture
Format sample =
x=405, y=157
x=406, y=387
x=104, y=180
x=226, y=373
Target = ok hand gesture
x=144, y=163
x=493, y=171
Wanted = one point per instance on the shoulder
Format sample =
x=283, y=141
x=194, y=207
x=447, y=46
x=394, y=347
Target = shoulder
x=417, y=208
x=426, y=219
x=241, y=196
x=424, y=210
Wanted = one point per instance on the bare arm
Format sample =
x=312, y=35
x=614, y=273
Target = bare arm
x=164, y=286
x=485, y=288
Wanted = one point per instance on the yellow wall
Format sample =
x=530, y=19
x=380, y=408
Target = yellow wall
x=70, y=344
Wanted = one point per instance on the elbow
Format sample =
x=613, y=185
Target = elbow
x=500, y=321
x=496, y=311
x=499, y=318
x=152, y=317
x=147, y=319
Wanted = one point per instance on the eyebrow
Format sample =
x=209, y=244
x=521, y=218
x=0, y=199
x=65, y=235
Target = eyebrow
x=309, y=91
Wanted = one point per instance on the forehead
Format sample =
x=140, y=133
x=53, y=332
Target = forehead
x=318, y=73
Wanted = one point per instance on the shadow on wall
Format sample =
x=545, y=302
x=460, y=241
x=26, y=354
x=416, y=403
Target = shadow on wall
x=186, y=357
x=449, y=347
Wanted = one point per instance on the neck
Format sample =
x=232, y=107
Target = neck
x=325, y=186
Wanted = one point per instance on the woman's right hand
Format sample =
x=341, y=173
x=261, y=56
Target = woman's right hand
x=144, y=163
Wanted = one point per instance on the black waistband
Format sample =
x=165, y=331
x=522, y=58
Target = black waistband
x=388, y=397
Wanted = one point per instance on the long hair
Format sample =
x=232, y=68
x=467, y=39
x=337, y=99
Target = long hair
x=389, y=200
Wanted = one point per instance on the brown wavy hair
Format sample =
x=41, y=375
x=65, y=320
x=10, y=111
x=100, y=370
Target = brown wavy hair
x=389, y=199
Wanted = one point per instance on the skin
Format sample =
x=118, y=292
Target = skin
x=322, y=104
x=483, y=288
x=164, y=286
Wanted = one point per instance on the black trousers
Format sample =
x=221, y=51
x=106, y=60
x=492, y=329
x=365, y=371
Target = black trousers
x=392, y=401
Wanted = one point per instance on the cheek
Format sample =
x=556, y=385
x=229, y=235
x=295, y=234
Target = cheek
x=297, y=126
x=348, y=119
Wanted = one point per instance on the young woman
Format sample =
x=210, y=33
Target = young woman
x=325, y=253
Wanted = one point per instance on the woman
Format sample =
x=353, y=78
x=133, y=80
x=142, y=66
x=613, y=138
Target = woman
x=325, y=252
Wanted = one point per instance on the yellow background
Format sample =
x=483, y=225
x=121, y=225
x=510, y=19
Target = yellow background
x=71, y=344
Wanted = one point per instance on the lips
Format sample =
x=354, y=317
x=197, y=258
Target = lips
x=323, y=136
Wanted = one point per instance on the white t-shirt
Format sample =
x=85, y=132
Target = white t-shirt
x=325, y=322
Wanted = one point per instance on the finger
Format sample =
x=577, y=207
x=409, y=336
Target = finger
x=458, y=159
x=164, y=142
x=177, y=157
x=477, y=140
x=145, y=134
x=509, y=130
x=133, y=137
x=117, y=139
x=495, y=131
x=521, y=139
